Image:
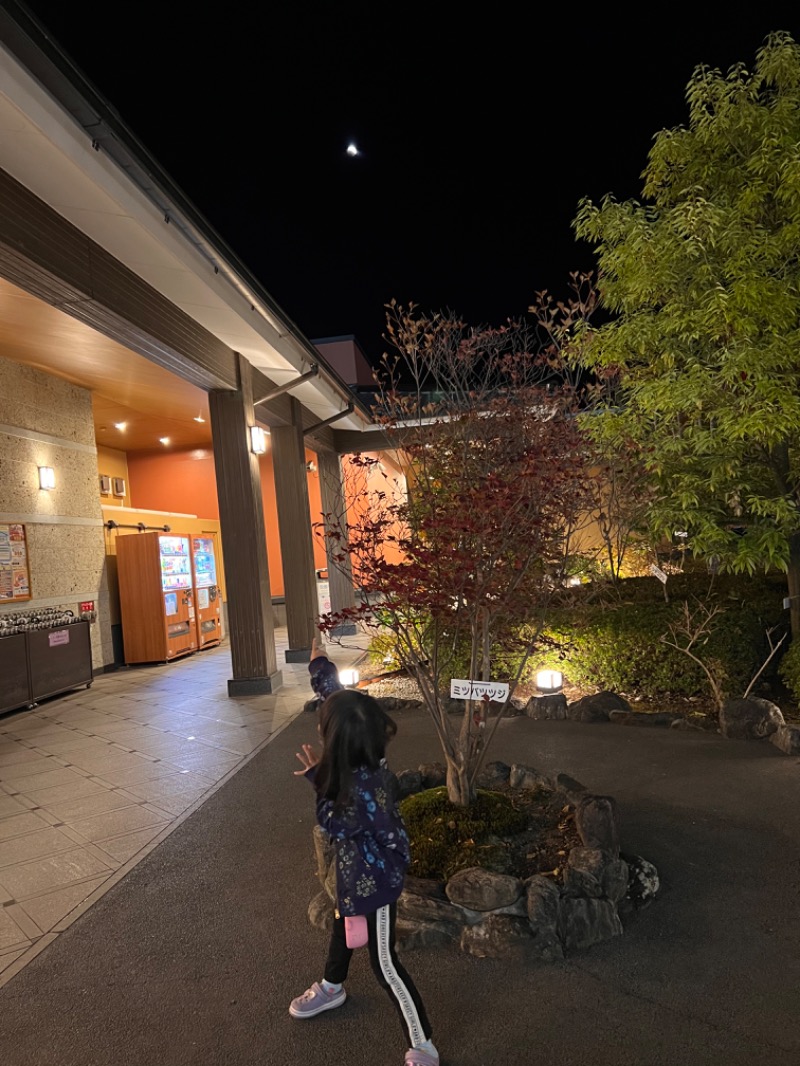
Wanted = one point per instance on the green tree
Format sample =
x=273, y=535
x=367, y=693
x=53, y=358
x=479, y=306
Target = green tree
x=702, y=282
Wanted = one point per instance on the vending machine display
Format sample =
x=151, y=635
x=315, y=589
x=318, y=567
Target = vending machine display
x=207, y=591
x=156, y=597
x=176, y=572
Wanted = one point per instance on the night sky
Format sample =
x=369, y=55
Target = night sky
x=480, y=129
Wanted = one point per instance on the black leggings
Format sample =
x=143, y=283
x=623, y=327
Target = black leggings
x=387, y=968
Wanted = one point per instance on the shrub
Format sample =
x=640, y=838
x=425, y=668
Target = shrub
x=789, y=669
x=610, y=636
x=446, y=837
x=617, y=644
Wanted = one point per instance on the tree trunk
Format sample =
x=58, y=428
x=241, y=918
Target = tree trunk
x=793, y=581
x=459, y=791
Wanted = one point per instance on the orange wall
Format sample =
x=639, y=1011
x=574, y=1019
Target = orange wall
x=185, y=482
x=182, y=481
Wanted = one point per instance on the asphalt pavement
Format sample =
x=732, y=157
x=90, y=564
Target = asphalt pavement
x=194, y=956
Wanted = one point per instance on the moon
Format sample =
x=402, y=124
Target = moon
x=352, y=150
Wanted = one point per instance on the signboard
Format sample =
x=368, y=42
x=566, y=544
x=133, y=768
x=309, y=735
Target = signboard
x=15, y=579
x=60, y=636
x=478, y=690
x=656, y=572
x=323, y=596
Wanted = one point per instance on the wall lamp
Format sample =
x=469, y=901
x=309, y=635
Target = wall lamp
x=258, y=440
x=47, y=477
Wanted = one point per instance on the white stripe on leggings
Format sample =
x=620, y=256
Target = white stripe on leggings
x=398, y=988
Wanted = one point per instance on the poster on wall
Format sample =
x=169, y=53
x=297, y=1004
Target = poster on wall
x=15, y=579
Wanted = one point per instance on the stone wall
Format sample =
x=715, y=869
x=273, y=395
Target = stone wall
x=45, y=421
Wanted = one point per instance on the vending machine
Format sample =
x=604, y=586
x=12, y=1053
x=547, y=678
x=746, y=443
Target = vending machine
x=206, y=592
x=156, y=597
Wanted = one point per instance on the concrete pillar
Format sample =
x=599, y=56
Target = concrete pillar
x=294, y=527
x=340, y=574
x=244, y=542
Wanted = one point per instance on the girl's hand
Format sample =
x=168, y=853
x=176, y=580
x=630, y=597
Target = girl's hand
x=308, y=757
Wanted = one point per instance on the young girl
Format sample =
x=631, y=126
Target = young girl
x=357, y=807
x=324, y=677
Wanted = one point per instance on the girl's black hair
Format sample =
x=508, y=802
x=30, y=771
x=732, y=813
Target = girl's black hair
x=355, y=731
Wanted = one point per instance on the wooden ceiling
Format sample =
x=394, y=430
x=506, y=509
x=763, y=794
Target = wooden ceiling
x=126, y=388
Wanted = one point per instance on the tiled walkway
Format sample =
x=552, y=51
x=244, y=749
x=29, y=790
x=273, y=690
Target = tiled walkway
x=91, y=781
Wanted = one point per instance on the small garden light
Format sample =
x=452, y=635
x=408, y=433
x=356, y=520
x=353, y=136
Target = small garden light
x=348, y=678
x=549, y=680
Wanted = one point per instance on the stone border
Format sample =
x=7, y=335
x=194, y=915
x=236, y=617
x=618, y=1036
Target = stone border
x=740, y=719
x=499, y=916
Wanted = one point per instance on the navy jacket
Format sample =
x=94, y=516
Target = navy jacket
x=324, y=677
x=370, y=841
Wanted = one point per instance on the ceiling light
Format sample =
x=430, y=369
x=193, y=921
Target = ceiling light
x=198, y=417
x=163, y=440
x=121, y=426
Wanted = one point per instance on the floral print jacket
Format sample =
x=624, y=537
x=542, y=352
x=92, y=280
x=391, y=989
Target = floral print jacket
x=370, y=842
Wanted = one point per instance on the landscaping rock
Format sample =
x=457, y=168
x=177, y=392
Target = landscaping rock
x=320, y=912
x=542, y=898
x=615, y=880
x=573, y=789
x=434, y=774
x=410, y=782
x=498, y=936
x=690, y=724
x=411, y=934
x=583, y=872
x=583, y=922
x=749, y=719
x=496, y=915
x=787, y=739
x=494, y=775
x=324, y=855
x=528, y=777
x=597, y=823
x=638, y=718
x=596, y=708
x=483, y=890
x=428, y=911
x=552, y=706
x=643, y=880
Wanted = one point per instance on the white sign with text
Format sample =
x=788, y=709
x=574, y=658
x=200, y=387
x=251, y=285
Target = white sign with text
x=478, y=690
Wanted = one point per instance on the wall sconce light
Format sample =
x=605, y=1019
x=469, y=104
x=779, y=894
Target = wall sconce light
x=105, y=484
x=348, y=678
x=258, y=440
x=549, y=680
x=311, y=467
x=47, y=477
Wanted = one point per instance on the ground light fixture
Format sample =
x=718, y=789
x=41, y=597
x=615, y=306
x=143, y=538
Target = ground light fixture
x=549, y=681
x=348, y=678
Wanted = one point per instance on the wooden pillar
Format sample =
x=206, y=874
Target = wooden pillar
x=340, y=574
x=294, y=527
x=244, y=542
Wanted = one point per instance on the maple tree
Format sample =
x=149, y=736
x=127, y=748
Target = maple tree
x=459, y=558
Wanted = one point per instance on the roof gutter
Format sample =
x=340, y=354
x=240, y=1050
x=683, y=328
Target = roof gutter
x=29, y=40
